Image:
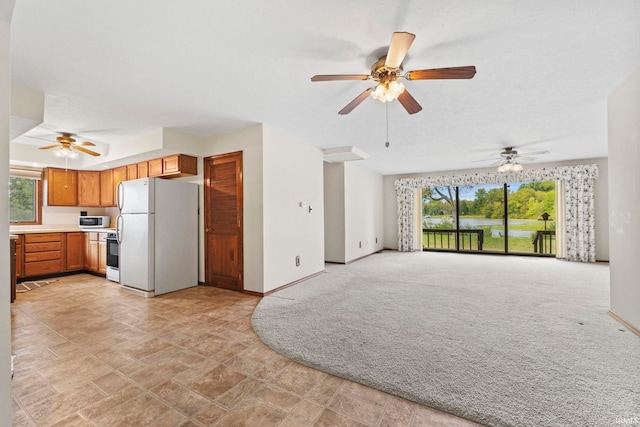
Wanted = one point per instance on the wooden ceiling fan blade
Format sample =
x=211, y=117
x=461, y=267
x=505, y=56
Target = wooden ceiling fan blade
x=49, y=146
x=466, y=72
x=86, y=150
x=400, y=44
x=357, y=100
x=409, y=102
x=333, y=77
x=86, y=144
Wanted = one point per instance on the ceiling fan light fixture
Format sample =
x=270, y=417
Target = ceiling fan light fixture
x=510, y=167
x=66, y=152
x=387, y=92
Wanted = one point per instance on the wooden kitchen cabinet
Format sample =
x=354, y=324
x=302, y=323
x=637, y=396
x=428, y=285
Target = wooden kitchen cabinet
x=102, y=253
x=155, y=167
x=95, y=252
x=61, y=187
x=89, y=188
x=179, y=165
x=20, y=256
x=42, y=254
x=173, y=166
x=119, y=175
x=91, y=251
x=132, y=171
x=106, y=188
x=143, y=169
x=74, y=255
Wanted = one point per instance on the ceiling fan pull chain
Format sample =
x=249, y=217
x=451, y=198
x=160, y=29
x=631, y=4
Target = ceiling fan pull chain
x=386, y=144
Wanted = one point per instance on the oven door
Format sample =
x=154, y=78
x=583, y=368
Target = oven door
x=112, y=252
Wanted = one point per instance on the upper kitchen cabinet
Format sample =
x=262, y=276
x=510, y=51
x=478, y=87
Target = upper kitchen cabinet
x=143, y=169
x=173, y=166
x=155, y=167
x=89, y=188
x=179, y=165
x=106, y=188
x=119, y=175
x=132, y=171
x=61, y=187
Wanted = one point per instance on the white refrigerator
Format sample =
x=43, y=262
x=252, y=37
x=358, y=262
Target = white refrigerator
x=158, y=235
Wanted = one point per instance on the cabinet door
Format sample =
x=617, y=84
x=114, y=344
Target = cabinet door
x=155, y=167
x=106, y=188
x=75, y=251
x=19, y=257
x=62, y=187
x=102, y=253
x=143, y=170
x=132, y=172
x=88, y=188
x=119, y=175
x=171, y=164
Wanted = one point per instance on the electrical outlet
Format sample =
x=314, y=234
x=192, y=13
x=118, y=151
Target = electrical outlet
x=376, y=240
x=360, y=244
x=297, y=260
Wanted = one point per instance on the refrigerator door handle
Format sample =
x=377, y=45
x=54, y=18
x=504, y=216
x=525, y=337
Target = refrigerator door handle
x=119, y=223
x=120, y=196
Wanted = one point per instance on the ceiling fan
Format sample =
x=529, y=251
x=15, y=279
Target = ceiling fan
x=66, y=146
x=509, y=159
x=388, y=70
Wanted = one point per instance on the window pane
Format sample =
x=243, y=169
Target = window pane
x=482, y=217
x=532, y=217
x=22, y=200
x=439, y=218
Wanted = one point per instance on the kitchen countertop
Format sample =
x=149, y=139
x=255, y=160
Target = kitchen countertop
x=53, y=228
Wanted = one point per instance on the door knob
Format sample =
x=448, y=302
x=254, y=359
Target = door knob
x=207, y=230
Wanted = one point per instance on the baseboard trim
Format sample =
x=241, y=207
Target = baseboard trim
x=264, y=294
x=625, y=323
x=355, y=259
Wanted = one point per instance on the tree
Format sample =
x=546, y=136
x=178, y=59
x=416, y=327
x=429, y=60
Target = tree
x=21, y=199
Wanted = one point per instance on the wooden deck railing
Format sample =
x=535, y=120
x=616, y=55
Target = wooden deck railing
x=438, y=238
x=544, y=242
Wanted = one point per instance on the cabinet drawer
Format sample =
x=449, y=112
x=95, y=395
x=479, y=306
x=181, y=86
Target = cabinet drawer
x=41, y=256
x=42, y=247
x=42, y=237
x=42, y=267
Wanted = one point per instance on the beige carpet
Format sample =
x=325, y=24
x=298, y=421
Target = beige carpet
x=503, y=341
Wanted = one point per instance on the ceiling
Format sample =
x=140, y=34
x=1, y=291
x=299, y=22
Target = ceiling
x=110, y=69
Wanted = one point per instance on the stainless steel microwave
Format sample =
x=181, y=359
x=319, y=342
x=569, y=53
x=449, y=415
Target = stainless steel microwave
x=93, y=221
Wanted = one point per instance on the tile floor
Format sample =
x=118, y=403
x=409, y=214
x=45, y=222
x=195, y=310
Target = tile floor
x=89, y=354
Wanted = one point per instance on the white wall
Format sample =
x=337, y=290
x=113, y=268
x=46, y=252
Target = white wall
x=6, y=11
x=293, y=175
x=354, y=225
x=334, y=218
x=624, y=199
x=601, y=202
x=364, y=216
x=249, y=141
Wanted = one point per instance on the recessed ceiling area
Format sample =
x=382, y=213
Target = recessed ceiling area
x=111, y=70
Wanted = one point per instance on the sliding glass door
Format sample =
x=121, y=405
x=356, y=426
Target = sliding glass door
x=516, y=218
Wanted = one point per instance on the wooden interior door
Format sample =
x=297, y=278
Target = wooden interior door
x=223, y=221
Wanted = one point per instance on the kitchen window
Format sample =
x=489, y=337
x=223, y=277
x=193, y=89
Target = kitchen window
x=25, y=196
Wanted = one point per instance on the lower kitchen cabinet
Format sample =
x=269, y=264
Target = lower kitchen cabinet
x=102, y=253
x=74, y=259
x=95, y=252
x=42, y=254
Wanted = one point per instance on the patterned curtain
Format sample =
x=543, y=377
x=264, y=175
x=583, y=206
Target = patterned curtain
x=580, y=220
x=579, y=205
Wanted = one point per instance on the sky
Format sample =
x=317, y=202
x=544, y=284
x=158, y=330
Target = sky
x=469, y=193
